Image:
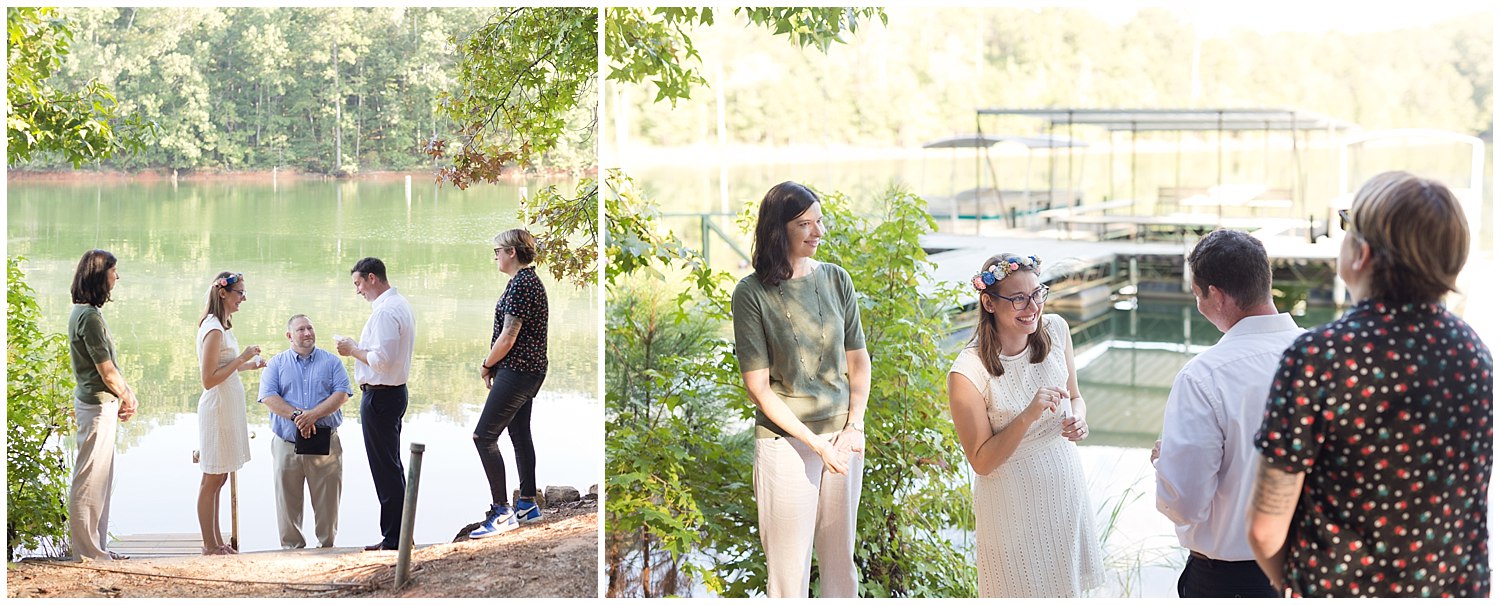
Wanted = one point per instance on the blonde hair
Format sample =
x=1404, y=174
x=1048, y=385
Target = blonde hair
x=215, y=305
x=521, y=241
x=1418, y=237
x=987, y=332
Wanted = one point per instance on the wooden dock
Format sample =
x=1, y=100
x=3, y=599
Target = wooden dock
x=160, y=545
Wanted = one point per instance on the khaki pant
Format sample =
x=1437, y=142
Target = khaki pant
x=803, y=508
x=324, y=477
x=93, y=479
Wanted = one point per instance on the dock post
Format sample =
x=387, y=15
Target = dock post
x=409, y=515
x=234, y=511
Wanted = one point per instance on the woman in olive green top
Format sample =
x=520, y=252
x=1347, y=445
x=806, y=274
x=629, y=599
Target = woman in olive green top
x=102, y=401
x=802, y=353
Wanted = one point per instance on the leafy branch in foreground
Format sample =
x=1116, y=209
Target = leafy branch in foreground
x=81, y=125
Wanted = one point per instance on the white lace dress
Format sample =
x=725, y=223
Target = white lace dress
x=1035, y=533
x=223, y=432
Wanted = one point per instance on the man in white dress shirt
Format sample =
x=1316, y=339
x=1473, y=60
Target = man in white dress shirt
x=1205, y=460
x=382, y=363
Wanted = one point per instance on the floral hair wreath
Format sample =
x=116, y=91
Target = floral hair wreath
x=230, y=280
x=1005, y=267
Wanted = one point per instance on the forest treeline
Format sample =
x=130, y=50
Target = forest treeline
x=922, y=76
x=326, y=90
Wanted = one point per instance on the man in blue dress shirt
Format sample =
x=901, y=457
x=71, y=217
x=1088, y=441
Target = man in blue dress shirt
x=304, y=387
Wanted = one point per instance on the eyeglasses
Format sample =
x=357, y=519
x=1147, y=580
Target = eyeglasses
x=1018, y=303
x=497, y=250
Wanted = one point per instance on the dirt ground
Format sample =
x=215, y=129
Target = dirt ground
x=556, y=557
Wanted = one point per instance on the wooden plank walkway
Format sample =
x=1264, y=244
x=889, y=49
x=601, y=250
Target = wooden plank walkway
x=160, y=545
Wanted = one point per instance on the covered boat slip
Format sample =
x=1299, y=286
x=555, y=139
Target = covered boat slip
x=1170, y=207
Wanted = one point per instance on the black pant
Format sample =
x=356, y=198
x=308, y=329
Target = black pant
x=1208, y=578
x=508, y=407
x=380, y=413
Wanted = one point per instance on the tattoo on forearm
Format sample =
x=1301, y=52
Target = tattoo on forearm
x=512, y=327
x=1275, y=492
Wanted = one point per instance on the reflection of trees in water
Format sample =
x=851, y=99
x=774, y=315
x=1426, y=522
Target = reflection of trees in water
x=295, y=244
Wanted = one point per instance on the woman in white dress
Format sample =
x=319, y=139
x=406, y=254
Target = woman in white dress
x=1014, y=397
x=223, y=434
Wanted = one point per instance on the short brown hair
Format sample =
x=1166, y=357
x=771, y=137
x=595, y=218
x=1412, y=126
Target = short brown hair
x=1235, y=263
x=1418, y=237
x=519, y=240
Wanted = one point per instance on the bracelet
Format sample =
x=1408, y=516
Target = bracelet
x=854, y=426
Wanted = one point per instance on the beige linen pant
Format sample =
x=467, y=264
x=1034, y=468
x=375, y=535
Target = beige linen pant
x=93, y=479
x=803, y=508
x=324, y=477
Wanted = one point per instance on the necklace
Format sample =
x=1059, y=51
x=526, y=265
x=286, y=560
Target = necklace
x=786, y=308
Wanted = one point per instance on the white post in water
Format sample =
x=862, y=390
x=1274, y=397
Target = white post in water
x=408, y=191
x=274, y=187
x=409, y=515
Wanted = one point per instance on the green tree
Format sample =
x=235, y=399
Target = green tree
x=37, y=419
x=80, y=124
x=525, y=89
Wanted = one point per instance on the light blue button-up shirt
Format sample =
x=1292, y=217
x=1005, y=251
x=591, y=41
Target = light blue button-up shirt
x=304, y=382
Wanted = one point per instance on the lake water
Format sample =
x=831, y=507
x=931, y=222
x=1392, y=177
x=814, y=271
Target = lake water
x=295, y=241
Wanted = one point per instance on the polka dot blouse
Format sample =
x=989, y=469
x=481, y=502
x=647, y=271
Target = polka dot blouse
x=1388, y=412
x=525, y=298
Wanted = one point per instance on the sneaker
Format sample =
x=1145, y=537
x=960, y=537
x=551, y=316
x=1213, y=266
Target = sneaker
x=527, y=510
x=497, y=520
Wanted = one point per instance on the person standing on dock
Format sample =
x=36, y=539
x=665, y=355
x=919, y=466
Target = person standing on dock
x=382, y=364
x=1378, y=439
x=304, y=388
x=101, y=401
x=1205, y=460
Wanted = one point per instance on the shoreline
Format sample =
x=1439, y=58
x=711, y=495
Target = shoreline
x=157, y=175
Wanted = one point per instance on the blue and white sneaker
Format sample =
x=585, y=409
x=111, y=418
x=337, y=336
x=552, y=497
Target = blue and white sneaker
x=527, y=510
x=497, y=520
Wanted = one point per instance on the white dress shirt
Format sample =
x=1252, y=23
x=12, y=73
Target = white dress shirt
x=387, y=340
x=1207, y=466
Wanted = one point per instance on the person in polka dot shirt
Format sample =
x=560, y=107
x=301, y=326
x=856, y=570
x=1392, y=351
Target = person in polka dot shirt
x=1377, y=442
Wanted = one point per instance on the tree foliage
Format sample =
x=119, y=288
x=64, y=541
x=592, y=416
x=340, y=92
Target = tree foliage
x=680, y=507
x=922, y=76
x=330, y=90
x=526, y=91
x=79, y=123
x=38, y=390
x=654, y=46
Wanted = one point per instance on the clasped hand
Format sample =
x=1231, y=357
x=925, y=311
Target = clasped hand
x=306, y=424
x=839, y=452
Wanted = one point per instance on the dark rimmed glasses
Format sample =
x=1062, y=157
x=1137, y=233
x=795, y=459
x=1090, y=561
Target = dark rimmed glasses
x=1018, y=303
x=1345, y=220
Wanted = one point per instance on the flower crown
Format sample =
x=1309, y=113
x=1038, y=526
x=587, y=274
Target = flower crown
x=230, y=280
x=1005, y=267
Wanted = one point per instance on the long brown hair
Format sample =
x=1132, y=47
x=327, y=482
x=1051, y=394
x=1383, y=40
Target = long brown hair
x=91, y=279
x=770, y=248
x=215, y=302
x=987, y=332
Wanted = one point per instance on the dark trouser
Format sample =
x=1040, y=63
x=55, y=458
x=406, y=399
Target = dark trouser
x=380, y=413
x=1208, y=578
x=508, y=408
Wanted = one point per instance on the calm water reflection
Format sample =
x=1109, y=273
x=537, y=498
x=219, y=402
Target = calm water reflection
x=295, y=243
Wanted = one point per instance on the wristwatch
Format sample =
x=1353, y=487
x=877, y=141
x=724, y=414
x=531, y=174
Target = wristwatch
x=858, y=426
x=296, y=413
